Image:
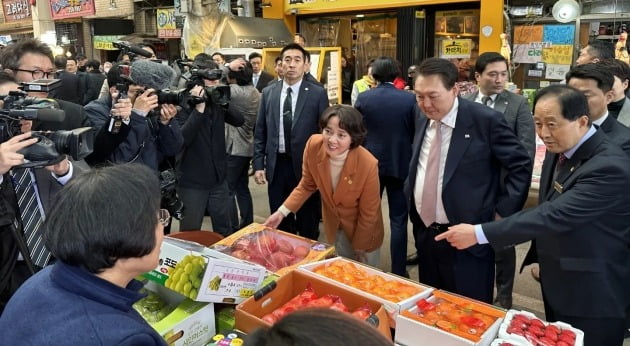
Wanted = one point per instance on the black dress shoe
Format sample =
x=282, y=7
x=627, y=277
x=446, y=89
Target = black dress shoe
x=505, y=303
x=413, y=259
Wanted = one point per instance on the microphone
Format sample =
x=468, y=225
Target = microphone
x=42, y=114
x=133, y=49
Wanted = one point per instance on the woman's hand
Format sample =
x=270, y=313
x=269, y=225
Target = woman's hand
x=274, y=220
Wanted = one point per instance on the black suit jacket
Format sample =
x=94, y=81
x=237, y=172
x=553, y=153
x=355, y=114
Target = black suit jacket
x=312, y=101
x=617, y=133
x=263, y=80
x=389, y=116
x=75, y=118
x=69, y=90
x=582, y=231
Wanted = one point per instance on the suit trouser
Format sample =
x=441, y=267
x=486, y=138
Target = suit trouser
x=597, y=331
x=306, y=221
x=467, y=272
x=505, y=261
x=398, y=215
x=238, y=183
x=197, y=200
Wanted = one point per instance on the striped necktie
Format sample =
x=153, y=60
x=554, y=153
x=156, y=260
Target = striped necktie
x=31, y=216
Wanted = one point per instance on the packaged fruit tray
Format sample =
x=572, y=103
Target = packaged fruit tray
x=279, y=252
x=503, y=342
x=394, y=292
x=524, y=328
x=449, y=319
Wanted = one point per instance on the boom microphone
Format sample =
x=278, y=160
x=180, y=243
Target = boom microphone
x=42, y=114
x=133, y=49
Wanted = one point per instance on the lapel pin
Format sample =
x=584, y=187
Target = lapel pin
x=557, y=186
x=572, y=168
x=305, y=88
x=466, y=136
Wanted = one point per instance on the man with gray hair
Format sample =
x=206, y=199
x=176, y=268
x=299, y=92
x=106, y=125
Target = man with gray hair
x=134, y=127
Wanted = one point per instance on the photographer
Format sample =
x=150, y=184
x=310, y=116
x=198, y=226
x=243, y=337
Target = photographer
x=202, y=167
x=137, y=128
x=25, y=198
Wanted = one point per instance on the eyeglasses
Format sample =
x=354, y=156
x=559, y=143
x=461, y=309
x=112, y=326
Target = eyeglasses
x=38, y=74
x=164, y=217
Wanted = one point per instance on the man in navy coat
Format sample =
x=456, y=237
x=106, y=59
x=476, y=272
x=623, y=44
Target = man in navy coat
x=278, y=159
x=389, y=116
x=459, y=152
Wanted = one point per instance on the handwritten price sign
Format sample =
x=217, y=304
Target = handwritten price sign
x=558, y=54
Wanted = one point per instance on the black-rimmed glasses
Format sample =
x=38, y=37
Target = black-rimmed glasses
x=164, y=217
x=38, y=74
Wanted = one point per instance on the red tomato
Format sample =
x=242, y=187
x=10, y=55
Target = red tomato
x=323, y=302
x=519, y=324
x=521, y=317
x=472, y=322
x=515, y=331
x=339, y=306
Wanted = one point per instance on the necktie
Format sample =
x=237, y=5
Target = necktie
x=486, y=100
x=287, y=120
x=430, y=189
x=31, y=215
x=255, y=79
x=559, y=164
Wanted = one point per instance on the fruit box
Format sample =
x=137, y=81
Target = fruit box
x=187, y=268
x=392, y=308
x=250, y=312
x=278, y=251
x=190, y=324
x=522, y=340
x=410, y=327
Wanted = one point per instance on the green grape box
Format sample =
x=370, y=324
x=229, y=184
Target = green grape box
x=190, y=323
x=191, y=270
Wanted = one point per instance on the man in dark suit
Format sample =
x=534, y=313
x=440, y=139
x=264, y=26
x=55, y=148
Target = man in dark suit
x=69, y=89
x=285, y=121
x=389, y=116
x=491, y=73
x=466, y=164
x=581, y=224
x=260, y=78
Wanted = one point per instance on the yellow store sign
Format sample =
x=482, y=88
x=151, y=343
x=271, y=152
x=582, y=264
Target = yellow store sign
x=322, y=6
x=456, y=49
x=105, y=42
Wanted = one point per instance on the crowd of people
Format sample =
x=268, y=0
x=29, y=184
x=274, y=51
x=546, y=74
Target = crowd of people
x=455, y=163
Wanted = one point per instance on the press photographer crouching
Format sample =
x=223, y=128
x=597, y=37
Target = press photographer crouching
x=26, y=193
x=105, y=229
x=202, y=167
x=132, y=125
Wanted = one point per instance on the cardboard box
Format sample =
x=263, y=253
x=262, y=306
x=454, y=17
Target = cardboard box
x=190, y=324
x=410, y=329
x=222, y=281
x=249, y=312
x=521, y=340
x=264, y=256
x=393, y=308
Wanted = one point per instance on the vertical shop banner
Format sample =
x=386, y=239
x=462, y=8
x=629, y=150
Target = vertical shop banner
x=332, y=78
x=551, y=44
x=16, y=10
x=60, y=9
x=166, y=23
x=455, y=49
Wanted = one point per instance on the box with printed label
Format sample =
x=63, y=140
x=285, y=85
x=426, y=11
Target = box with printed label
x=189, y=269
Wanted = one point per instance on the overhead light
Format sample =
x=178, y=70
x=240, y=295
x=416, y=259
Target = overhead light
x=565, y=11
x=360, y=15
x=265, y=4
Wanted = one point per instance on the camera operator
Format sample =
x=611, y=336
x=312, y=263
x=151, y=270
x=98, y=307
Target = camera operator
x=202, y=167
x=146, y=132
x=25, y=197
x=30, y=59
x=244, y=99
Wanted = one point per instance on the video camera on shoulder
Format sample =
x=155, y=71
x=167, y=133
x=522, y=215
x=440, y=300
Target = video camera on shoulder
x=217, y=94
x=52, y=146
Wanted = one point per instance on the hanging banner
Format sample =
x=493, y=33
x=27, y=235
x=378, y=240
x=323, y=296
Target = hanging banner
x=558, y=55
x=552, y=44
x=530, y=53
x=16, y=10
x=105, y=42
x=456, y=49
x=166, y=23
x=60, y=9
x=559, y=34
x=525, y=34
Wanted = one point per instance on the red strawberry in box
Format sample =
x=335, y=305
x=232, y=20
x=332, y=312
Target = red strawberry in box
x=524, y=328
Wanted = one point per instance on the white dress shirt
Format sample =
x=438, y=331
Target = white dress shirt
x=448, y=124
x=283, y=95
x=490, y=104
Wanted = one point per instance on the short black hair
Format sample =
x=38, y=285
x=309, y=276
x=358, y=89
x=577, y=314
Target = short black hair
x=254, y=55
x=572, y=101
x=10, y=56
x=243, y=76
x=325, y=327
x=446, y=70
x=60, y=62
x=601, y=49
x=104, y=215
x=219, y=54
x=94, y=64
x=350, y=119
x=385, y=69
x=295, y=46
x=203, y=61
x=72, y=58
x=603, y=76
x=618, y=68
x=81, y=56
x=488, y=58
x=278, y=58
x=113, y=75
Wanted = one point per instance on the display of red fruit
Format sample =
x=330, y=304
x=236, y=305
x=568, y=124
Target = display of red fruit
x=301, y=251
x=285, y=246
x=280, y=259
x=566, y=339
x=506, y=344
x=536, y=330
x=562, y=343
x=568, y=333
x=546, y=342
x=550, y=334
x=242, y=254
x=552, y=328
x=270, y=318
x=537, y=322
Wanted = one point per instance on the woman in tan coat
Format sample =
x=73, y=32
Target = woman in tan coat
x=346, y=175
